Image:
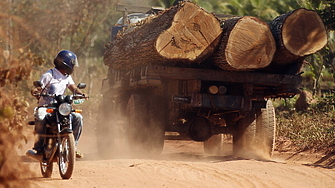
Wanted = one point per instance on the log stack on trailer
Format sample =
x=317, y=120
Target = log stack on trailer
x=298, y=33
x=186, y=35
x=247, y=44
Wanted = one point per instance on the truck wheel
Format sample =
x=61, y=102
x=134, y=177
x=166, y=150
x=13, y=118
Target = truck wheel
x=266, y=129
x=157, y=123
x=255, y=135
x=244, y=136
x=214, y=145
x=109, y=134
x=144, y=126
x=103, y=132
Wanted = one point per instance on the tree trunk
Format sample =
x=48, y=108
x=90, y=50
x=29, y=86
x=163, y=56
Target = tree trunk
x=184, y=33
x=297, y=33
x=247, y=44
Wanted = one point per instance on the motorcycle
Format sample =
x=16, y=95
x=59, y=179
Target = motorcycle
x=59, y=142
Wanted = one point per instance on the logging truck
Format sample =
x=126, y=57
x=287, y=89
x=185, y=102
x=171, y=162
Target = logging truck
x=148, y=98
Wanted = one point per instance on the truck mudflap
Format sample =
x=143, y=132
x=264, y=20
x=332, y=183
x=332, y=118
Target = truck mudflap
x=220, y=102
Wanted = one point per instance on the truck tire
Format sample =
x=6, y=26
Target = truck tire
x=146, y=135
x=110, y=135
x=255, y=135
x=266, y=129
x=214, y=145
x=245, y=135
x=157, y=123
x=103, y=133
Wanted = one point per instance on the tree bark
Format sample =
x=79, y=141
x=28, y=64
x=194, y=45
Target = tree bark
x=297, y=33
x=247, y=44
x=184, y=34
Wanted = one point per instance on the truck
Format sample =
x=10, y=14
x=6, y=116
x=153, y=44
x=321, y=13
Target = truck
x=146, y=105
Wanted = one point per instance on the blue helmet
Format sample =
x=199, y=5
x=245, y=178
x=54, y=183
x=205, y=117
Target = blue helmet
x=66, y=60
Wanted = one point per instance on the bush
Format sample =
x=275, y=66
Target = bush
x=313, y=129
x=13, y=115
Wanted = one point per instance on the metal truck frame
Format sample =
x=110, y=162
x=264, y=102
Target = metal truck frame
x=196, y=103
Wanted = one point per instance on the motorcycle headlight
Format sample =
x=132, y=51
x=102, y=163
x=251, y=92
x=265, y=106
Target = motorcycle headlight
x=65, y=109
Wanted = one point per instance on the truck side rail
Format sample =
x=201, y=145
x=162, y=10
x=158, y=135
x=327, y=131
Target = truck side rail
x=278, y=85
x=152, y=72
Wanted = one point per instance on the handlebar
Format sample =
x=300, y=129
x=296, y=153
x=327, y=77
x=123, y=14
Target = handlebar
x=75, y=96
x=44, y=95
x=80, y=96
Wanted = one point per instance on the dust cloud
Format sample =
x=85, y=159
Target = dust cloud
x=114, y=141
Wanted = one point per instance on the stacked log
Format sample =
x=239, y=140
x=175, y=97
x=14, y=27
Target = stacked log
x=187, y=35
x=183, y=33
x=247, y=44
x=298, y=33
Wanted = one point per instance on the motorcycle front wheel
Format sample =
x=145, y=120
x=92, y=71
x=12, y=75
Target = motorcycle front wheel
x=66, y=156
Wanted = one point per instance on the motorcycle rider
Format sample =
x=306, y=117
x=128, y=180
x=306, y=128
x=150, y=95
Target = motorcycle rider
x=60, y=78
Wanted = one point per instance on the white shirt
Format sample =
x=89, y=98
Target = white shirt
x=59, y=81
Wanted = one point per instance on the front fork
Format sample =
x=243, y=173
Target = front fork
x=68, y=124
x=53, y=142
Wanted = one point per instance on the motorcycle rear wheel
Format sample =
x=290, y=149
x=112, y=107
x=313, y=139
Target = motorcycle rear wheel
x=66, y=156
x=46, y=169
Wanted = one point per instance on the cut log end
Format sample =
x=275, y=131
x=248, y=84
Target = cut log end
x=250, y=44
x=193, y=31
x=303, y=32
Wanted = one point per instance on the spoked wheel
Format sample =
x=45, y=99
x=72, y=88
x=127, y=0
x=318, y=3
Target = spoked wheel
x=66, y=157
x=46, y=169
x=145, y=124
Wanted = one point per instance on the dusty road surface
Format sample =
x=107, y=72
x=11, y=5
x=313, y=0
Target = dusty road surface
x=184, y=164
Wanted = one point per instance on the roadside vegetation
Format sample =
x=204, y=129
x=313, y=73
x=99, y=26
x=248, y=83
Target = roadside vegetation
x=14, y=111
x=312, y=129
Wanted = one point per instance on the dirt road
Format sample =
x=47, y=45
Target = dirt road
x=184, y=164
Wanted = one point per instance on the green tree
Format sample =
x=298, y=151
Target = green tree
x=163, y=3
x=263, y=9
x=324, y=60
x=46, y=26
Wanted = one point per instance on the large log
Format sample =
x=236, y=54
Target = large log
x=298, y=33
x=247, y=44
x=184, y=33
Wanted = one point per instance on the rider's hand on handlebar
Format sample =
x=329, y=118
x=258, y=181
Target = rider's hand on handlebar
x=81, y=95
x=85, y=96
x=35, y=92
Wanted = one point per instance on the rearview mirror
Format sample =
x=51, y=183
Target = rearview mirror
x=81, y=86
